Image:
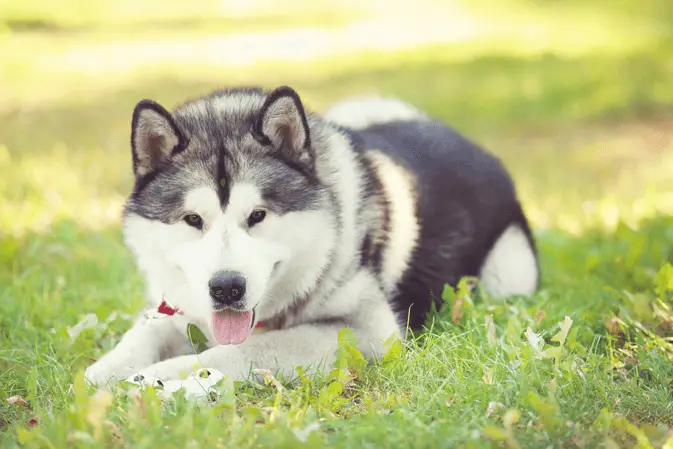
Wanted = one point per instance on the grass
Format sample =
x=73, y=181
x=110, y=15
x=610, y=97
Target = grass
x=586, y=134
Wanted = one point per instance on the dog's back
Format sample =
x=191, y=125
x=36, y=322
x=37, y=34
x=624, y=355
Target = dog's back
x=470, y=222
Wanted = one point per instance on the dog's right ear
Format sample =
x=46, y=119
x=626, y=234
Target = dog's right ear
x=282, y=123
x=155, y=138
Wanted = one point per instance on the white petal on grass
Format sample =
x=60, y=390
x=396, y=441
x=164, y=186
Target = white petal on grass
x=303, y=434
x=536, y=342
x=493, y=406
x=89, y=321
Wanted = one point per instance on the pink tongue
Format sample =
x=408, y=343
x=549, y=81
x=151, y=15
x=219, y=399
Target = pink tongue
x=231, y=328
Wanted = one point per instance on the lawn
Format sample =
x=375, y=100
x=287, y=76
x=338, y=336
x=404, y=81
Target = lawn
x=582, y=117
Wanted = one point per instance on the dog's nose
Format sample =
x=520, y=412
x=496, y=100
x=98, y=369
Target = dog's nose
x=227, y=288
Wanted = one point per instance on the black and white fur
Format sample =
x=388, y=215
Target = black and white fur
x=370, y=210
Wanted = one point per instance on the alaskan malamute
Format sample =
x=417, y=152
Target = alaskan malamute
x=271, y=228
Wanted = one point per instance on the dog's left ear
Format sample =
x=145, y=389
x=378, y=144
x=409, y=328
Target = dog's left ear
x=155, y=137
x=282, y=123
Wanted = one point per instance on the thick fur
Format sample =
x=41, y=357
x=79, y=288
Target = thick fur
x=370, y=210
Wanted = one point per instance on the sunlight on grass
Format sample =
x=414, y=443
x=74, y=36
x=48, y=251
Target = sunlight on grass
x=594, y=178
x=72, y=64
x=61, y=184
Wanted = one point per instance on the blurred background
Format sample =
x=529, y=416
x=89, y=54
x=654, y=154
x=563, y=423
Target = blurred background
x=574, y=95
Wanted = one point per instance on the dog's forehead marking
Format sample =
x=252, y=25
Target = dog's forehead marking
x=204, y=201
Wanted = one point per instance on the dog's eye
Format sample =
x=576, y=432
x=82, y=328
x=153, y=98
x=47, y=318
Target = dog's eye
x=194, y=220
x=257, y=216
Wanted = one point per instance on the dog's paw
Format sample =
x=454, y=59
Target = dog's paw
x=142, y=380
x=114, y=367
x=199, y=385
x=177, y=368
x=104, y=373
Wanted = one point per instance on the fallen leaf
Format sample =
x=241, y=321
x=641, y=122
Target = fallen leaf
x=561, y=336
x=539, y=317
x=612, y=325
x=457, y=310
x=89, y=321
x=303, y=434
x=32, y=422
x=493, y=406
x=269, y=378
x=490, y=330
x=536, y=342
x=18, y=401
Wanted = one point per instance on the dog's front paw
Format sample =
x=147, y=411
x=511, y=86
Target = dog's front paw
x=103, y=372
x=114, y=367
x=177, y=368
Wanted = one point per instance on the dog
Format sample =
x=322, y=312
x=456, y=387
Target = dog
x=271, y=228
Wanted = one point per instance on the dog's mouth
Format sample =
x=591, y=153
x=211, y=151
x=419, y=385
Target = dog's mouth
x=231, y=327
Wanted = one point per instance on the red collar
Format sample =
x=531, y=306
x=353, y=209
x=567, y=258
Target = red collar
x=165, y=309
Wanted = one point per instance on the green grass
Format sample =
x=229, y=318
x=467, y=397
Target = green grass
x=585, y=131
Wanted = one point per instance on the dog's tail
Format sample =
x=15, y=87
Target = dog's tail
x=362, y=112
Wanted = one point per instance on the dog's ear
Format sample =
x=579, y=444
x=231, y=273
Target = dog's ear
x=282, y=123
x=155, y=137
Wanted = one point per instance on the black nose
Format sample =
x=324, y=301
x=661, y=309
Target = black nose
x=227, y=288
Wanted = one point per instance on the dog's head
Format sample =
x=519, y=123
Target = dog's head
x=227, y=217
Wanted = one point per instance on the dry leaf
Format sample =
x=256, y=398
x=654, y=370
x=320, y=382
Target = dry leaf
x=32, y=422
x=490, y=330
x=303, y=434
x=612, y=325
x=493, y=406
x=18, y=401
x=535, y=341
x=269, y=378
x=539, y=317
x=562, y=335
x=457, y=310
x=89, y=321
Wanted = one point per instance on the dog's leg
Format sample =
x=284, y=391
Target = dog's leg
x=311, y=346
x=147, y=342
x=307, y=345
x=359, y=304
